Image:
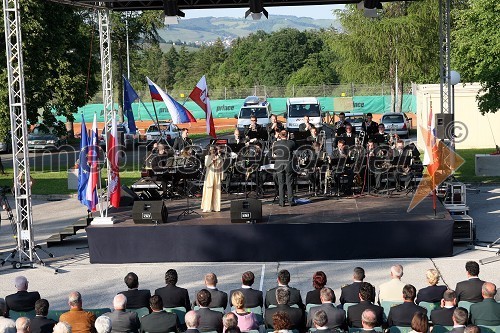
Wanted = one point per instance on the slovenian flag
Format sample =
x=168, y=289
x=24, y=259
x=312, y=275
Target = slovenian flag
x=93, y=156
x=178, y=112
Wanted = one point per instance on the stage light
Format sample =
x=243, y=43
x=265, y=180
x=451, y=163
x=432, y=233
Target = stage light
x=172, y=12
x=370, y=7
x=256, y=10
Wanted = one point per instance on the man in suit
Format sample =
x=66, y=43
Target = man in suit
x=182, y=141
x=369, y=126
x=336, y=316
x=460, y=317
x=283, y=152
x=381, y=137
x=41, y=324
x=274, y=128
x=349, y=136
x=340, y=125
x=218, y=298
x=252, y=132
x=470, y=289
x=366, y=297
x=7, y=325
x=401, y=315
x=23, y=300
x=210, y=320
x=282, y=295
x=391, y=290
x=253, y=298
x=443, y=316
x=171, y=295
x=306, y=125
x=283, y=281
x=80, y=321
x=350, y=293
x=192, y=322
x=487, y=312
x=121, y=320
x=136, y=298
x=159, y=321
x=369, y=321
x=320, y=321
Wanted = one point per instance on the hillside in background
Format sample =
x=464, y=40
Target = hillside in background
x=205, y=30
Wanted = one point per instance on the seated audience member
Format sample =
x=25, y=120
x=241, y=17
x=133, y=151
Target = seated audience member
x=23, y=300
x=233, y=330
x=253, y=298
x=472, y=329
x=470, y=289
x=350, y=292
x=23, y=325
x=433, y=293
x=391, y=290
x=355, y=312
x=103, y=324
x=487, y=312
x=219, y=298
x=460, y=317
x=336, y=316
x=171, y=295
x=443, y=316
x=123, y=321
x=369, y=321
x=402, y=314
x=319, y=281
x=210, y=320
x=64, y=327
x=136, y=298
x=192, y=322
x=283, y=281
x=7, y=325
x=159, y=321
x=79, y=320
x=246, y=320
x=295, y=315
x=281, y=322
x=419, y=323
x=320, y=321
x=42, y=324
x=229, y=320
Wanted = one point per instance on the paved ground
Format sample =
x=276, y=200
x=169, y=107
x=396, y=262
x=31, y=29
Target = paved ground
x=99, y=283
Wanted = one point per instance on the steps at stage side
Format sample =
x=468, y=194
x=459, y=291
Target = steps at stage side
x=68, y=231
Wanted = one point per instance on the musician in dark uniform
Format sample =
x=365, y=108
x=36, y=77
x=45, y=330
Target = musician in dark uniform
x=274, y=128
x=341, y=124
x=283, y=153
x=318, y=160
x=314, y=136
x=401, y=157
x=252, y=131
x=340, y=156
x=369, y=126
x=306, y=125
x=381, y=137
x=183, y=141
x=349, y=136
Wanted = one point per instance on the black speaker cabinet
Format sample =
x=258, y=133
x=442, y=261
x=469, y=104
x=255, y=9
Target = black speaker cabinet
x=246, y=211
x=463, y=229
x=146, y=212
x=443, y=122
x=127, y=197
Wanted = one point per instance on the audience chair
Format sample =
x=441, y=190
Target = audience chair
x=399, y=329
x=15, y=314
x=98, y=312
x=55, y=314
x=309, y=306
x=489, y=329
x=347, y=305
x=359, y=329
x=466, y=305
x=180, y=311
x=387, y=305
x=141, y=312
x=430, y=307
x=441, y=329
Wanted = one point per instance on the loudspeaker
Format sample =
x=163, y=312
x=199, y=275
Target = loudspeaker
x=127, y=197
x=443, y=121
x=246, y=211
x=149, y=212
x=463, y=229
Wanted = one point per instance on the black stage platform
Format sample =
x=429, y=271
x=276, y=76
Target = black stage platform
x=324, y=229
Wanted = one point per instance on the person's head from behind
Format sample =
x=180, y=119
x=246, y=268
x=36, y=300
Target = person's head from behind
x=409, y=293
x=472, y=268
x=248, y=278
x=367, y=292
x=23, y=325
x=319, y=280
x=192, y=319
x=64, y=327
x=211, y=280
x=326, y=295
x=320, y=319
x=282, y=295
x=397, y=271
x=42, y=307
x=156, y=303
x=230, y=320
x=131, y=280
x=281, y=321
x=21, y=283
x=284, y=277
x=238, y=300
x=488, y=290
x=103, y=324
x=358, y=274
x=235, y=329
x=203, y=297
x=432, y=276
x=472, y=329
x=450, y=297
x=420, y=323
x=75, y=300
x=120, y=302
x=368, y=319
x=171, y=277
x=460, y=316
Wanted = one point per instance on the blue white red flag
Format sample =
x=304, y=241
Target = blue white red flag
x=83, y=166
x=93, y=157
x=178, y=112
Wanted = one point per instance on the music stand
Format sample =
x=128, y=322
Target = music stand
x=187, y=192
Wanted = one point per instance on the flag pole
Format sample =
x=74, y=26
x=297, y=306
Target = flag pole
x=158, y=122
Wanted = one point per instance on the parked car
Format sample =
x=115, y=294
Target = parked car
x=6, y=145
x=125, y=138
x=43, y=141
x=356, y=120
x=396, y=122
x=169, y=130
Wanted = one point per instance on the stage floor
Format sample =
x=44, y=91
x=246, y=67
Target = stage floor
x=322, y=229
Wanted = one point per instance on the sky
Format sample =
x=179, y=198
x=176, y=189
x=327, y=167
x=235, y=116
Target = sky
x=316, y=12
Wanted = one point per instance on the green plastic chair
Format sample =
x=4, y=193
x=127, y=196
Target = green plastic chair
x=430, y=307
x=346, y=306
x=309, y=306
x=441, y=329
x=387, y=305
x=358, y=329
x=489, y=329
x=16, y=314
x=98, y=312
x=180, y=311
x=399, y=329
x=141, y=312
x=465, y=304
x=219, y=309
x=55, y=314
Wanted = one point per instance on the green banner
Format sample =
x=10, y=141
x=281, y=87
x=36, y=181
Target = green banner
x=382, y=104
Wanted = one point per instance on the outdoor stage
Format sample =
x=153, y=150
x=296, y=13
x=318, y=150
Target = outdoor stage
x=324, y=229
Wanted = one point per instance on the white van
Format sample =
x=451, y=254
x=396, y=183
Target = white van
x=298, y=107
x=253, y=106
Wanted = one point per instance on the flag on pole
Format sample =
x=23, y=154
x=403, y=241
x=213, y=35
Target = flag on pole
x=83, y=166
x=93, y=156
x=129, y=96
x=431, y=155
x=114, y=173
x=199, y=95
x=178, y=112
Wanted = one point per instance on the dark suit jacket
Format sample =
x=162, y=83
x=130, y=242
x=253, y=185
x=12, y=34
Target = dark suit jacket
x=173, y=296
x=283, y=150
x=137, y=298
x=485, y=313
x=192, y=330
x=336, y=316
x=180, y=143
x=123, y=321
x=469, y=290
x=159, y=322
x=210, y=320
x=442, y=316
x=41, y=324
x=296, y=316
x=402, y=314
x=295, y=297
x=253, y=298
x=312, y=297
x=22, y=301
x=457, y=330
x=355, y=311
x=431, y=294
x=219, y=298
x=350, y=293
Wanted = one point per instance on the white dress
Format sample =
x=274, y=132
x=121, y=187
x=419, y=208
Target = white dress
x=210, y=201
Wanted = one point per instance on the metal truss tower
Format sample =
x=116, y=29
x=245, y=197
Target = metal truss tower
x=444, y=55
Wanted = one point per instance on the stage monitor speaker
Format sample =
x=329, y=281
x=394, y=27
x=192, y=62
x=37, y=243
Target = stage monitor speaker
x=443, y=121
x=146, y=212
x=127, y=197
x=246, y=211
x=463, y=229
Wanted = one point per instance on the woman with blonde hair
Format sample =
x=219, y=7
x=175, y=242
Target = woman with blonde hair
x=246, y=320
x=433, y=293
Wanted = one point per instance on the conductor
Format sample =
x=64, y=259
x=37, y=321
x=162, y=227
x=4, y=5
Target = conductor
x=283, y=152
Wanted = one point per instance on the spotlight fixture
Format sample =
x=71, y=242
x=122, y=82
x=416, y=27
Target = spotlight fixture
x=256, y=10
x=172, y=12
x=370, y=7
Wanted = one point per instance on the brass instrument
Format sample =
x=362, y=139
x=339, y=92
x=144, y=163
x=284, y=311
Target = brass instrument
x=360, y=138
x=393, y=137
x=322, y=139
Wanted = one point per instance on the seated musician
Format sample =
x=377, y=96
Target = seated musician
x=252, y=131
x=274, y=128
x=401, y=159
x=183, y=141
x=306, y=125
x=314, y=135
x=369, y=126
x=319, y=158
x=342, y=163
x=341, y=124
x=381, y=137
x=349, y=136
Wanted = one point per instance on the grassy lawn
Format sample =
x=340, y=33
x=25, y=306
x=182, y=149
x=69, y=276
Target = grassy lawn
x=467, y=172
